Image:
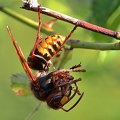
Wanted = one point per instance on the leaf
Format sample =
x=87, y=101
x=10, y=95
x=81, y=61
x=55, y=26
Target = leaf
x=20, y=84
x=48, y=26
x=102, y=10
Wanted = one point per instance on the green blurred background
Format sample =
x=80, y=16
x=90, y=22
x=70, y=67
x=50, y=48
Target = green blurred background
x=101, y=82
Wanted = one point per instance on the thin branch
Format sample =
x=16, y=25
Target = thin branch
x=72, y=43
x=93, y=45
x=35, y=110
x=24, y=19
x=30, y=5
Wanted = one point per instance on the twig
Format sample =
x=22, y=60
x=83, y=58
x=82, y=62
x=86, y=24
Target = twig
x=28, y=5
x=23, y=19
x=72, y=43
x=93, y=45
x=35, y=110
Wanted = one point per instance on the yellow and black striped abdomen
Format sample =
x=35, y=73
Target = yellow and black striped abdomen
x=45, y=50
x=51, y=45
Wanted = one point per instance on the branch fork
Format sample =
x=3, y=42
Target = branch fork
x=33, y=5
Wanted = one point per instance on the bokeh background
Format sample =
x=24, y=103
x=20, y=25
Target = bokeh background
x=101, y=82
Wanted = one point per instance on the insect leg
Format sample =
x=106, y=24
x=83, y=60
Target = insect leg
x=21, y=57
x=76, y=90
x=38, y=33
x=71, y=32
